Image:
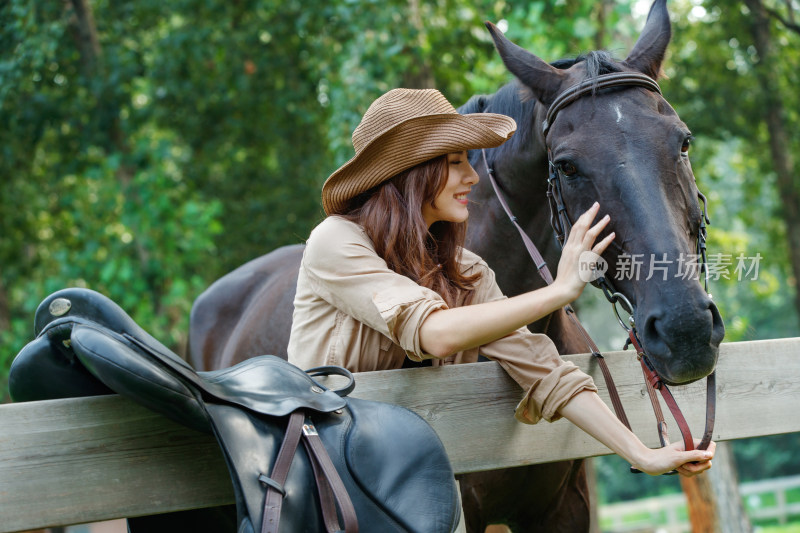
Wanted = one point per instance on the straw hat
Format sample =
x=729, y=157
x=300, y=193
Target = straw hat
x=403, y=128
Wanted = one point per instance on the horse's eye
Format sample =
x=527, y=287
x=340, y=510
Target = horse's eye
x=685, y=146
x=567, y=168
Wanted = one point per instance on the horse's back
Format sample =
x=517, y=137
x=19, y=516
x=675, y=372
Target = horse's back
x=247, y=312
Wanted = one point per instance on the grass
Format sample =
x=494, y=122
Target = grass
x=787, y=528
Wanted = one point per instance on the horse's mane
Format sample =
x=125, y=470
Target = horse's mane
x=514, y=99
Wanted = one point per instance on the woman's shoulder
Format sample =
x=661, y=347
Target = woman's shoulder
x=471, y=262
x=337, y=229
x=332, y=235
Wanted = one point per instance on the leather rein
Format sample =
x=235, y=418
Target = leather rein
x=561, y=224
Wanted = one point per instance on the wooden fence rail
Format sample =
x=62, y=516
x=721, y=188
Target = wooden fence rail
x=90, y=459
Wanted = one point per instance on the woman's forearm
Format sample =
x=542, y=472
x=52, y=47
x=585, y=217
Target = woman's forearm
x=587, y=411
x=448, y=331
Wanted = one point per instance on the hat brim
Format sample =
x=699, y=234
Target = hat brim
x=408, y=144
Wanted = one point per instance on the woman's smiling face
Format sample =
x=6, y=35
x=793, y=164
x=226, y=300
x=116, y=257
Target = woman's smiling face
x=450, y=204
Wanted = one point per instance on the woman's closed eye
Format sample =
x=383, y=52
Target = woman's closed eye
x=456, y=158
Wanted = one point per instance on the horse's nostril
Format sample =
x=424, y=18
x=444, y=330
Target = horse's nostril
x=717, y=325
x=653, y=338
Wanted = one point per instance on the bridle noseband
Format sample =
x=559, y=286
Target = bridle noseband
x=559, y=219
x=592, y=85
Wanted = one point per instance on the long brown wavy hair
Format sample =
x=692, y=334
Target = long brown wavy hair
x=391, y=214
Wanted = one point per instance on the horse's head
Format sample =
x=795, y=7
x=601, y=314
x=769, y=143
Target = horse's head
x=625, y=147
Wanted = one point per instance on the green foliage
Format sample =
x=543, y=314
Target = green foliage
x=616, y=483
x=767, y=457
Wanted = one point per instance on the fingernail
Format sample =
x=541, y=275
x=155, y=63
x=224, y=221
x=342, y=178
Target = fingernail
x=607, y=217
x=595, y=204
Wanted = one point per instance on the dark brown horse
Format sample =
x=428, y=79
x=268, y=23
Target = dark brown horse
x=624, y=147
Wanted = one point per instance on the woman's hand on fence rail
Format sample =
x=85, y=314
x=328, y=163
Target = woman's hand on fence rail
x=673, y=457
x=587, y=411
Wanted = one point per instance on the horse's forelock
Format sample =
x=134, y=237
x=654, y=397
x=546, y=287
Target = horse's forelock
x=596, y=63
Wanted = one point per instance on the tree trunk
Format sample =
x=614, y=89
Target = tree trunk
x=701, y=503
x=601, y=15
x=725, y=484
x=85, y=35
x=713, y=499
x=84, y=32
x=5, y=308
x=787, y=180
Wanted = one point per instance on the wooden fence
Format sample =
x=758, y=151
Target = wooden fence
x=90, y=459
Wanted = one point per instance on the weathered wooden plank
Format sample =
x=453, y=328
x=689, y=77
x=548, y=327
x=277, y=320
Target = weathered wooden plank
x=80, y=460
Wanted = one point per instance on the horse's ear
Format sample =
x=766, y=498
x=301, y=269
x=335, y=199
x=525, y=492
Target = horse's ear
x=543, y=80
x=649, y=50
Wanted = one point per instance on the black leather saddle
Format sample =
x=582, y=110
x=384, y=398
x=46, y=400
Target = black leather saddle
x=364, y=465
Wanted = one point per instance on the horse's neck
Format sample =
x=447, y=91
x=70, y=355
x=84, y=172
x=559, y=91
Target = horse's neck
x=521, y=173
x=496, y=239
x=516, y=273
x=565, y=335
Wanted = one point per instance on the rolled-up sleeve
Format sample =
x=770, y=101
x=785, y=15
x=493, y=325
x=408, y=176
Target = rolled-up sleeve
x=532, y=360
x=344, y=270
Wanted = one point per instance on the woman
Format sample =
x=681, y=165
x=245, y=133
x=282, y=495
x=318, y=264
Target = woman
x=385, y=283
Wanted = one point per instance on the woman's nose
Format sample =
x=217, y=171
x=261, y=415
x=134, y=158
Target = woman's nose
x=472, y=177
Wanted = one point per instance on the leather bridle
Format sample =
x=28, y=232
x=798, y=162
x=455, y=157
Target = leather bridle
x=561, y=223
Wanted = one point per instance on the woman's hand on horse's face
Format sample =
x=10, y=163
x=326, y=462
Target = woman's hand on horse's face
x=581, y=239
x=673, y=457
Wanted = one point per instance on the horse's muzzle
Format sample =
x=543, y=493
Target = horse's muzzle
x=682, y=340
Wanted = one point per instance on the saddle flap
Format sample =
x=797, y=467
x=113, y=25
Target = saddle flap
x=269, y=385
x=398, y=460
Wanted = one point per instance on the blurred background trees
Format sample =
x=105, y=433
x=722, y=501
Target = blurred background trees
x=149, y=147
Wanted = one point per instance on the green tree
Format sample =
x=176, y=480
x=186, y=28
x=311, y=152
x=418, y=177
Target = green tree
x=92, y=194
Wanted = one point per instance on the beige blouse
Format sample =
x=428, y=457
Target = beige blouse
x=352, y=310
